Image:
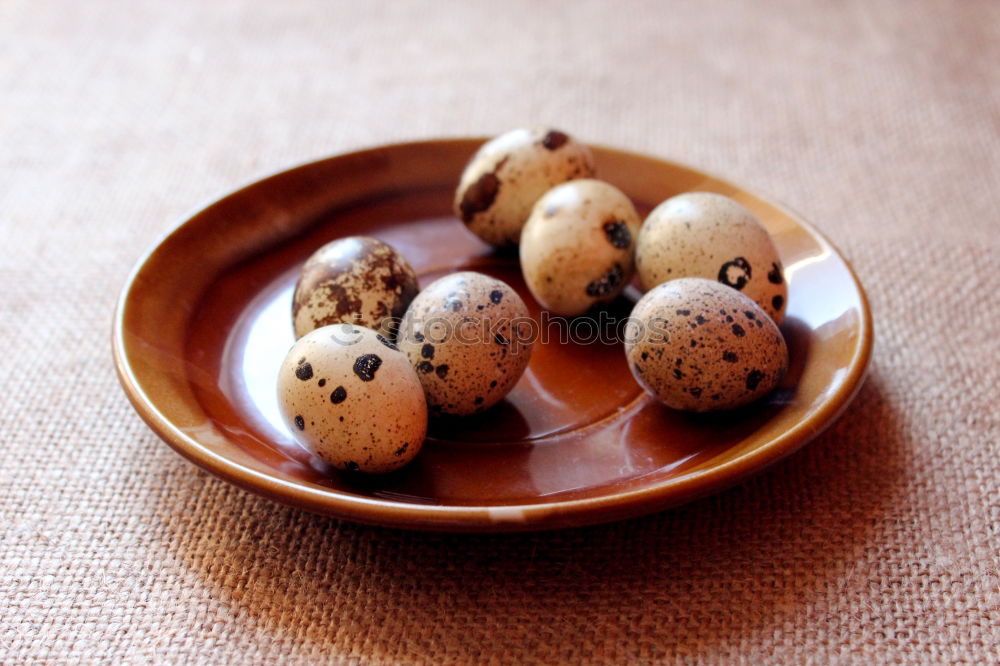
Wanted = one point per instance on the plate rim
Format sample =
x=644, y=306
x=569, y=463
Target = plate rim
x=499, y=518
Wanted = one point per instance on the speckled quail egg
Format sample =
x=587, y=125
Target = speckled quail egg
x=699, y=345
x=578, y=245
x=469, y=336
x=352, y=398
x=507, y=175
x=358, y=280
x=707, y=235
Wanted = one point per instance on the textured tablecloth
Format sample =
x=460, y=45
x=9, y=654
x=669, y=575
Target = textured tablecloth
x=878, y=542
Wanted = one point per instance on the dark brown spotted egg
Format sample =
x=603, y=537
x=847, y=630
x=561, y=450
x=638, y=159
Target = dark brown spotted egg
x=358, y=280
x=700, y=346
x=469, y=336
x=507, y=174
x=707, y=235
x=578, y=245
x=352, y=398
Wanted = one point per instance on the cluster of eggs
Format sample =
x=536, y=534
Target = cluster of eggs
x=374, y=356
x=703, y=337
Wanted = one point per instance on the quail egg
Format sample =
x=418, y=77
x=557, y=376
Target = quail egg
x=699, y=345
x=578, y=245
x=507, y=175
x=352, y=398
x=707, y=235
x=358, y=280
x=469, y=337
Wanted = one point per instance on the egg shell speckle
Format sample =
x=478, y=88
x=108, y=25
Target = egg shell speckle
x=698, y=345
x=358, y=280
x=708, y=235
x=578, y=245
x=509, y=173
x=352, y=398
x=469, y=337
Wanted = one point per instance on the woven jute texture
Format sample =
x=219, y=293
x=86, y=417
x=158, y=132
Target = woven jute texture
x=876, y=543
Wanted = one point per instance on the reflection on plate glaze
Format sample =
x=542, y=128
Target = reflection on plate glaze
x=506, y=514
x=206, y=433
x=268, y=328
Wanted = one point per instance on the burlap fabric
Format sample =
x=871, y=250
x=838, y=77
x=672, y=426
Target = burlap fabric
x=876, y=543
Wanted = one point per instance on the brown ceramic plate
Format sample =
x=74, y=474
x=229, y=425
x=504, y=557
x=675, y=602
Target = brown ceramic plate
x=204, y=322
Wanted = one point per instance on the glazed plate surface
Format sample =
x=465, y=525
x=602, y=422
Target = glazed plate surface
x=204, y=323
